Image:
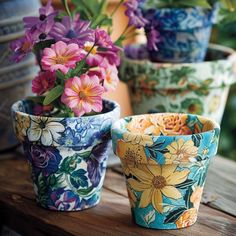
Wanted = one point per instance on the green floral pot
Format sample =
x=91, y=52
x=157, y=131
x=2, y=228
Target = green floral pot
x=165, y=158
x=199, y=88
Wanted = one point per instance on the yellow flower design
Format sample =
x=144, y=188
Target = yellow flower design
x=132, y=197
x=138, y=139
x=214, y=104
x=155, y=181
x=143, y=125
x=22, y=123
x=171, y=124
x=180, y=151
x=130, y=154
x=196, y=196
x=188, y=218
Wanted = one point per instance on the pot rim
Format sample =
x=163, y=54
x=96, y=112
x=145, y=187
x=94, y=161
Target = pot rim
x=216, y=47
x=51, y=118
x=116, y=126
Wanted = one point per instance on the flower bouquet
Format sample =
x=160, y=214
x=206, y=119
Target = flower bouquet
x=65, y=129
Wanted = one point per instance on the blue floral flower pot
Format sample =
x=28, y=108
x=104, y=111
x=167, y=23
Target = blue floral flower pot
x=165, y=158
x=184, y=33
x=67, y=156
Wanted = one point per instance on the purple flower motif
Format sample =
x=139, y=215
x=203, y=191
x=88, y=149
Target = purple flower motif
x=136, y=52
x=96, y=163
x=44, y=159
x=111, y=55
x=39, y=27
x=153, y=38
x=21, y=47
x=76, y=31
x=102, y=39
x=134, y=13
x=63, y=200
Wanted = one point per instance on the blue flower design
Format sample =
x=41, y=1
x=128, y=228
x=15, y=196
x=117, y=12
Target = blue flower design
x=63, y=200
x=70, y=137
x=97, y=163
x=43, y=159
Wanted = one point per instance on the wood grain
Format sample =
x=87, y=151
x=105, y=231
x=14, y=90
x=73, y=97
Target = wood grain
x=111, y=217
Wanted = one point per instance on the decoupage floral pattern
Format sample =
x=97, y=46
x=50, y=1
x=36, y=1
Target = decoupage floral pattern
x=184, y=33
x=165, y=176
x=67, y=156
x=163, y=87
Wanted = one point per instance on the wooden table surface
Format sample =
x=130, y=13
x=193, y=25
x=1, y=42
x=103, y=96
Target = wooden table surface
x=112, y=216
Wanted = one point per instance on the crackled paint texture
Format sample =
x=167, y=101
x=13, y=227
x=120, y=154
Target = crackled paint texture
x=67, y=156
x=165, y=158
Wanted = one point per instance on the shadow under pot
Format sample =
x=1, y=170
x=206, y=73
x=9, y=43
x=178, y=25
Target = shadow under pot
x=184, y=33
x=165, y=158
x=198, y=88
x=67, y=156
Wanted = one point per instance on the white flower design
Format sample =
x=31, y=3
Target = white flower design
x=41, y=128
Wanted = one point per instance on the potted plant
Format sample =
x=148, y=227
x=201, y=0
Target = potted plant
x=178, y=31
x=199, y=88
x=65, y=129
x=165, y=158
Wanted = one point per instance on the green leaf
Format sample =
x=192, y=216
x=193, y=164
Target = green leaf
x=36, y=99
x=85, y=192
x=60, y=75
x=197, y=139
x=187, y=183
x=174, y=215
x=53, y=95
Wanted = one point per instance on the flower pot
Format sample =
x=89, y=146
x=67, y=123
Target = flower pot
x=15, y=81
x=67, y=155
x=11, y=14
x=165, y=158
x=184, y=33
x=200, y=88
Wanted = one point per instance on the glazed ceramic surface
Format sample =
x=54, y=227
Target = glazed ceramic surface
x=165, y=158
x=199, y=88
x=11, y=14
x=67, y=155
x=15, y=84
x=184, y=33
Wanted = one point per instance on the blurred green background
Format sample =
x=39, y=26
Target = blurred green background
x=226, y=35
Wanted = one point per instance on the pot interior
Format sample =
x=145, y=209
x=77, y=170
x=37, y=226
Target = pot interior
x=169, y=124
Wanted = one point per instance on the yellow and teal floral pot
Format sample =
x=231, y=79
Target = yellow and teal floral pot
x=67, y=156
x=199, y=88
x=165, y=157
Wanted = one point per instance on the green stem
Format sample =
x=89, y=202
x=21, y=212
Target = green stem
x=65, y=3
x=117, y=7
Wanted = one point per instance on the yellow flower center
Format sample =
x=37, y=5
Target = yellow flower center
x=89, y=47
x=25, y=46
x=159, y=182
x=82, y=95
x=60, y=60
x=130, y=156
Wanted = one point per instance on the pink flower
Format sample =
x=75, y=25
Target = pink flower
x=111, y=77
x=102, y=39
x=21, y=47
x=62, y=56
x=107, y=73
x=43, y=82
x=83, y=94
